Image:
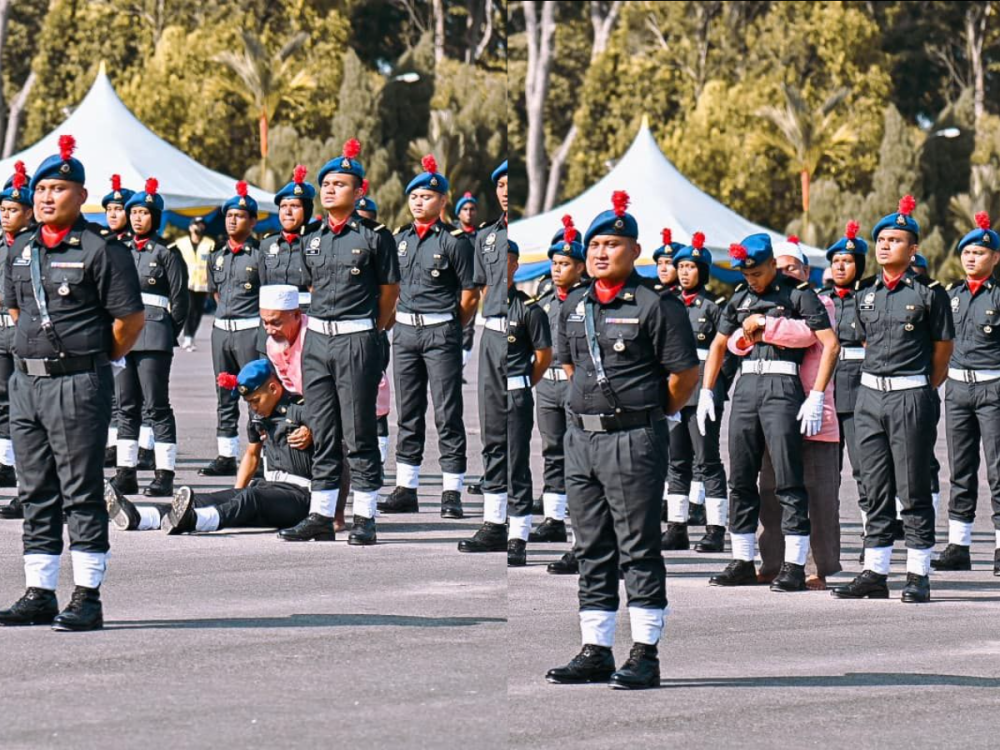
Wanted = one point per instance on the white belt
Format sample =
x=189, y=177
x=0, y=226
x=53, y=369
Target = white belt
x=900, y=383
x=769, y=367
x=973, y=376
x=155, y=300
x=497, y=324
x=236, y=324
x=423, y=320
x=852, y=352
x=284, y=476
x=8, y=321
x=702, y=354
x=305, y=298
x=340, y=327
x=555, y=373
x=518, y=382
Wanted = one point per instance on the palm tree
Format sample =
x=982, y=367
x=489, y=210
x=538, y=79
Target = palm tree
x=265, y=82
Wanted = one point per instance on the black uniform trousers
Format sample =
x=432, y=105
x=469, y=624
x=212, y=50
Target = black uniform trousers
x=6, y=371
x=550, y=397
x=340, y=376
x=694, y=457
x=614, y=489
x=972, y=415
x=469, y=335
x=429, y=357
x=763, y=417
x=935, y=464
x=59, y=425
x=849, y=442
x=231, y=351
x=493, y=410
x=196, y=308
x=143, y=389
x=895, y=462
x=263, y=504
x=520, y=423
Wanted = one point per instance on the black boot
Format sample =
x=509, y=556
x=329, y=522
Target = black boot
x=363, y=532
x=713, y=541
x=147, y=460
x=221, y=466
x=84, y=611
x=122, y=513
x=400, y=500
x=675, y=537
x=917, y=589
x=868, y=585
x=592, y=664
x=791, y=577
x=491, y=537
x=126, y=481
x=550, y=530
x=474, y=488
x=181, y=518
x=13, y=510
x=451, y=504
x=564, y=566
x=8, y=477
x=737, y=573
x=517, y=553
x=162, y=484
x=110, y=457
x=954, y=557
x=640, y=671
x=312, y=528
x=36, y=607
x=996, y=563
x=696, y=514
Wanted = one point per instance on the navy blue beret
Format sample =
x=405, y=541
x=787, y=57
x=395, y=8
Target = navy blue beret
x=513, y=249
x=899, y=220
x=346, y=163
x=572, y=247
x=254, y=375
x=118, y=194
x=16, y=188
x=241, y=201
x=668, y=248
x=366, y=204
x=297, y=188
x=696, y=252
x=499, y=172
x=467, y=198
x=919, y=261
x=429, y=179
x=751, y=252
x=983, y=236
x=850, y=243
x=61, y=166
x=614, y=222
x=148, y=198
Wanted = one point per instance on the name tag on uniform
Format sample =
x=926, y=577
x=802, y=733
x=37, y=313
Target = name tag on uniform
x=623, y=321
x=574, y=318
x=152, y=264
x=274, y=249
x=67, y=264
x=437, y=257
x=22, y=262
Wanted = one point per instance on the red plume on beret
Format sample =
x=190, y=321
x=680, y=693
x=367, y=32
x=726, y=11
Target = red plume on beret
x=364, y=186
x=852, y=230
x=620, y=201
x=20, y=175
x=737, y=252
x=983, y=220
x=227, y=381
x=152, y=185
x=67, y=145
x=352, y=148
x=241, y=189
x=907, y=204
x=429, y=163
x=666, y=236
x=116, y=183
x=467, y=194
x=299, y=175
x=569, y=231
x=698, y=241
x=794, y=239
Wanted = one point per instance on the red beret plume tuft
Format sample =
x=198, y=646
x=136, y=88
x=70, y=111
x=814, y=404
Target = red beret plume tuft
x=67, y=145
x=241, y=189
x=467, y=194
x=227, y=381
x=116, y=183
x=352, y=148
x=737, y=252
x=620, y=201
x=666, y=236
x=152, y=185
x=364, y=186
x=852, y=230
x=299, y=175
x=429, y=163
x=569, y=231
x=983, y=220
x=906, y=205
x=698, y=241
x=794, y=239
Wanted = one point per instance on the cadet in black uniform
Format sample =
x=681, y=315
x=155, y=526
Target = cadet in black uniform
x=281, y=253
x=770, y=411
x=529, y=352
x=908, y=330
x=466, y=210
x=436, y=297
x=972, y=394
x=234, y=279
x=630, y=356
x=847, y=263
x=666, y=269
x=78, y=309
x=143, y=387
x=354, y=279
x=491, y=270
x=695, y=459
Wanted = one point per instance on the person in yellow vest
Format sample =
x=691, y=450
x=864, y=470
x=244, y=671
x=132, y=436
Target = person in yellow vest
x=195, y=249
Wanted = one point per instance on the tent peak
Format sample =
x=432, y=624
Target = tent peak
x=644, y=125
x=102, y=69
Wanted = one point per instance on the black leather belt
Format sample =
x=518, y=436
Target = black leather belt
x=47, y=368
x=617, y=422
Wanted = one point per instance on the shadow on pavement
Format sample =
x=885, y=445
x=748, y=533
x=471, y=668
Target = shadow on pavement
x=858, y=679
x=307, y=621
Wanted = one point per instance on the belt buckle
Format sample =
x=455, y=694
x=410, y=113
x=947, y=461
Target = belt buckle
x=758, y=367
x=883, y=384
x=592, y=423
x=330, y=327
x=970, y=377
x=418, y=320
x=36, y=367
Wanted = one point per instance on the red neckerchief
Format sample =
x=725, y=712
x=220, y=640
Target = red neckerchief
x=606, y=292
x=121, y=235
x=290, y=237
x=975, y=284
x=468, y=229
x=562, y=294
x=335, y=227
x=891, y=284
x=52, y=237
x=842, y=291
x=689, y=298
x=505, y=219
x=10, y=238
x=423, y=229
x=234, y=247
x=140, y=243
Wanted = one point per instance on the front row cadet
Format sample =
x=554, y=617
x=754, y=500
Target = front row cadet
x=907, y=328
x=279, y=433
x=529, y=351
x=666, y=267
x=630, y=356
x=972, y=395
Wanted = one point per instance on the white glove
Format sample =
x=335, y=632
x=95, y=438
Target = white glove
x=706, y=408
x=117, y=365
x=811, y=413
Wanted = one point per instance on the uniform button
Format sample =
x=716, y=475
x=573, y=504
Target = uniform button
x=435, y=273
x=152, y=282
x=908, y=327
x=701, y=336
x=248, y=285
x=355, y=271
x=988, y=329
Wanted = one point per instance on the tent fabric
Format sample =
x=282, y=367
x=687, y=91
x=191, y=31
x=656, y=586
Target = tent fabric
x=660, y=197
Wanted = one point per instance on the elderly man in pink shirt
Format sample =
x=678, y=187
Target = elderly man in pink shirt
x=820, y=452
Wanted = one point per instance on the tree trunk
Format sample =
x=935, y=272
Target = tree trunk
x=5, y=6
x=975, y=34
x=540, y=31
x=438, y=30
x=804, y=174
x=487, y=31
x=14, y=118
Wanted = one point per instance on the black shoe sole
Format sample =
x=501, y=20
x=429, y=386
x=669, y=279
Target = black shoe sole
x=355, y=542
x=11, y=516
x=29, y=624
x=705, y=549
x=595, y=680
x=676, y=548
x=482, y=549
x=317, y=538
x=950, y=568
x=914, y=600
x=871, y=595
x=783, y=590
x=560, y=539
x=614, y=685
x=396, y=511
x=62, y=628
x=454, y=515
x=729, y=585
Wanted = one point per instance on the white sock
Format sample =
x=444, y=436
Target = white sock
x=796, y=548
x=666, y=492
x=899, y=509
x=864, y=520
x=998, y=539
x=697, y=493
x=407, y=476
x=112, y=437
x=647, y=624
x=677, y=508
x=554, y=505
x=452, y=482
x=89, y=568
x=146, y=439
x=229, y=447
x=597, y=627
x=936, y=501
x=324, y=502
x=166, y=456
x=717, y=511
x=186, y=341
x=520, y=527
x=128, y=454
x=364, y=503
x=6, y=452
x=41, y=571
x=959, y=533
x=383, y=448
x=877, y=559
x=149, y=517
x=744, y=546
x=208, y=519
x=466, y=353
x=918, y=561
x=495, y=507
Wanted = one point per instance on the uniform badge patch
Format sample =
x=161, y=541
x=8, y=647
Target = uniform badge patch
x=870, y=298
x=402, y=247
x=491, y=238
x=955, y=302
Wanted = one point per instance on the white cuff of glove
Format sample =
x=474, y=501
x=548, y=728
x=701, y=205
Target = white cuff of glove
x=117, y=365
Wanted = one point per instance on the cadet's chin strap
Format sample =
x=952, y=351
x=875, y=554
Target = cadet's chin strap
x=43, y=307
x=595, y=356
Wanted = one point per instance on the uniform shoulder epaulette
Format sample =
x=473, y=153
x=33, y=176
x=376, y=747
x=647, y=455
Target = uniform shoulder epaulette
x=864, y=283
x=949, y=287
x=803, y=285
x=456, y=232
x=720, y=301
x=740, y=287
x=300, y=401
x=483, y=224
x=269, y=234
x=933, y=284
x=397, y=230
x=105, y=232
x=312, y=226
x=371, y=224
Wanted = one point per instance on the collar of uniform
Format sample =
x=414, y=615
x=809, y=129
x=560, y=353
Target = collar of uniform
x=986, y=283
x=72, y=238
x=627, y=292
x=351, y=221
x=432, y=227
x=906, y=278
